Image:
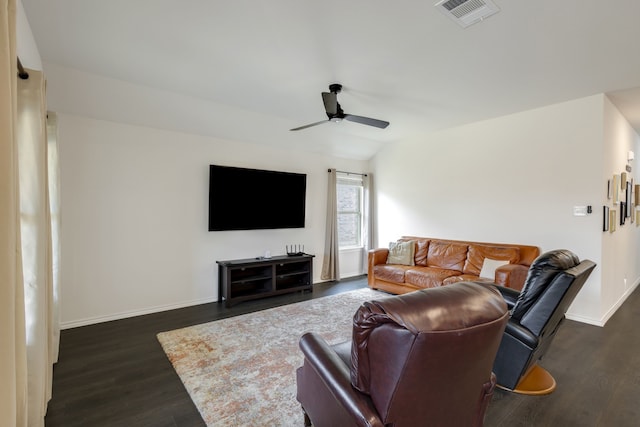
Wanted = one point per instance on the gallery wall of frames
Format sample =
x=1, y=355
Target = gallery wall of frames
x=623, y=197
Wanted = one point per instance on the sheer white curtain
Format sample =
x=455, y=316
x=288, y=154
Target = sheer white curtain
x=29, y=328
x=330, y=263
x=53, y=176
x=368, y=237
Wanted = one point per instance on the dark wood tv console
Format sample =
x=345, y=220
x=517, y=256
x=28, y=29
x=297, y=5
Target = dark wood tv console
x=247, y=279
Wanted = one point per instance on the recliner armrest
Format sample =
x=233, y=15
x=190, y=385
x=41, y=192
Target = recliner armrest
x=522, y=334
x=510, y=295
x=336, y=376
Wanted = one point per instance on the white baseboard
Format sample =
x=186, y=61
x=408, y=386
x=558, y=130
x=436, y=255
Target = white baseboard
x=617, y=305
x=582, y=319
x=132, y=313
x=602, y=321
x=157, y=309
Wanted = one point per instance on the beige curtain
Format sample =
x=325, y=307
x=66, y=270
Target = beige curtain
x=330, y=263
x=13, y=358
x=29, y=330
x=37, y=246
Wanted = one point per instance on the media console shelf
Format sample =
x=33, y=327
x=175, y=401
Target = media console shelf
x=247, y=279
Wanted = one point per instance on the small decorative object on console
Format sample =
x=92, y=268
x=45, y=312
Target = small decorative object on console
x=295, y=250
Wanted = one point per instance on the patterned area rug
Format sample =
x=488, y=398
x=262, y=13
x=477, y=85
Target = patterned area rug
x=240, y=371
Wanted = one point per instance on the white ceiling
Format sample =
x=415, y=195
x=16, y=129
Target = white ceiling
x=401, y=61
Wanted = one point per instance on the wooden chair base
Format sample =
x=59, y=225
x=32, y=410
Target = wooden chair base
x=537, y=382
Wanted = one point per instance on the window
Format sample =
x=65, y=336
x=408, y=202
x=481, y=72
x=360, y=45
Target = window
x=350, y=199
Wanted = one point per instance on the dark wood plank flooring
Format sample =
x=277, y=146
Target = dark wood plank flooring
x=116, y=374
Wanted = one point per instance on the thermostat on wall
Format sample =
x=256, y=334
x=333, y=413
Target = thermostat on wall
x=580, y=211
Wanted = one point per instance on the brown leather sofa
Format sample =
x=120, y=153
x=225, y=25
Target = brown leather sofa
x=440, y=262
x=420, y=359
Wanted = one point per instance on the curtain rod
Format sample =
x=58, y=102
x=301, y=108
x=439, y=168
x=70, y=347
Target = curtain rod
x=349, y=173
x=21, y=72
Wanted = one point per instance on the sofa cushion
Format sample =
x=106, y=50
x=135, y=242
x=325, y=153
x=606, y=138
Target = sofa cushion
x=422, y=248
x=447, y=255
x=428, y=277
x=464, y=278
x=390, y=272
x=401, y=252
x=477, y=254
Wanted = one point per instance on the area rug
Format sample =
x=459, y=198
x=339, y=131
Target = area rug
x=240, y=371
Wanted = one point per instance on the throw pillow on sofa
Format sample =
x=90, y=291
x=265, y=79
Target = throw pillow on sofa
x=489, y=267
x=401, y=253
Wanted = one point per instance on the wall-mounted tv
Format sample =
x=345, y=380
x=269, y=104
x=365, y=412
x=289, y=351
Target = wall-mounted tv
x=252, y=199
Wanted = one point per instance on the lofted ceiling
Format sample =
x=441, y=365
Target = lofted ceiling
x=403, y=62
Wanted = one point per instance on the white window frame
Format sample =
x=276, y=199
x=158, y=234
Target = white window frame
x=353, y=180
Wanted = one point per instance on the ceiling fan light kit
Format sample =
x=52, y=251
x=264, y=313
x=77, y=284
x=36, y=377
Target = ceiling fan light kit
x=336, y=114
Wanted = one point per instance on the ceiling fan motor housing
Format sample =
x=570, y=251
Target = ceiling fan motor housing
x=335, y=113
x=335, y=88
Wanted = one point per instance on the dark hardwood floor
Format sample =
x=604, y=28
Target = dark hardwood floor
x=116, y=373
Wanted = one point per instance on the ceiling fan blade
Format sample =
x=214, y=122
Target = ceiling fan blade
x=330, y=100
x=366, y=121
x=312, y=124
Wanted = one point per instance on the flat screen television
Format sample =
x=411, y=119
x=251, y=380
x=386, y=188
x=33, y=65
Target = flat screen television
x=252, y=199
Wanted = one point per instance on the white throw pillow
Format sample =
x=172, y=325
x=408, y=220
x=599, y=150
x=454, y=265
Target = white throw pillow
x=489, y=267
x=401, y=253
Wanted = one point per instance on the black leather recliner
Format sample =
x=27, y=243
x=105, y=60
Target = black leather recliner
x=537, y=311
x=418, y=359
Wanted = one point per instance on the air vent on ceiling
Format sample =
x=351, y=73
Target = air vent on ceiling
x=467, y=12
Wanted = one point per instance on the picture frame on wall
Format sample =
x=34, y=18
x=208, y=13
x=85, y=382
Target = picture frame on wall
x=605, y=218
x=612, y=220
x=627, y=212
x=615, y=188
x=609, y=189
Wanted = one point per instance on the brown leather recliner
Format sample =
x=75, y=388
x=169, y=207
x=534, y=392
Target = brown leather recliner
x=422, y=358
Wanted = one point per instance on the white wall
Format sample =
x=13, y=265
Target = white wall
x=26, y=47
x=514, y=179
x=134, y=197
x=134, y=219
x=352, y=262
x=620, y=267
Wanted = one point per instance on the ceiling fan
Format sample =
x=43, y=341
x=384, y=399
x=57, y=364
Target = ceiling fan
x=335, y=113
